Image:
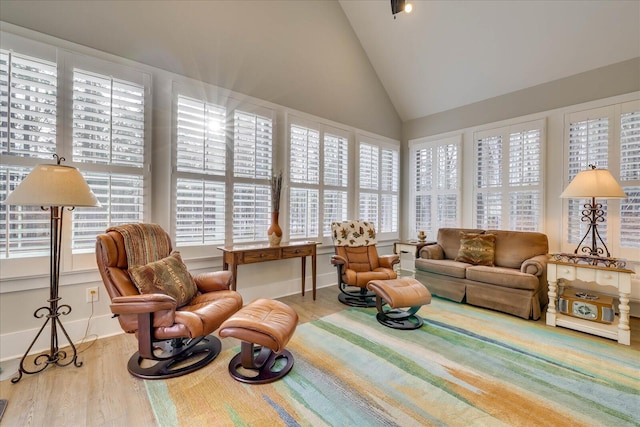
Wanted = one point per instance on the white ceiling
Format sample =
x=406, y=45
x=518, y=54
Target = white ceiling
x=447, y=54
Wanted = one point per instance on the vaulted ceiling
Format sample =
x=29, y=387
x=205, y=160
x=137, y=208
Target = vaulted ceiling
x=447, y=54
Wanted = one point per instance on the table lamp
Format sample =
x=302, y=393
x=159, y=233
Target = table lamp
x=593, y=183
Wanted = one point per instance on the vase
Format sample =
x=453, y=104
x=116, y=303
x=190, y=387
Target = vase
x=274, y=232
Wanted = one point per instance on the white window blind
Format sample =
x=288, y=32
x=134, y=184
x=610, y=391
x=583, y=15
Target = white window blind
x=253, y=157
x=303, y=213
x=108, y=139
x=28, y=106
x=304, y=193
x=28, y=120
x=630, y=179
x=378, y=169
x=305, y=155
x=509, y=173
x=336, y=180
x=201, y=146
x=200, y=212
x=201, y=171
x=389, y=175
x=435, y=193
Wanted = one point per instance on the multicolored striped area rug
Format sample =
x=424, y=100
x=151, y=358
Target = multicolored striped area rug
x=465, y=367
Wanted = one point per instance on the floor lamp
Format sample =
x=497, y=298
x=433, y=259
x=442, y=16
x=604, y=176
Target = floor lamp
x=593, y=183
x=53, y=188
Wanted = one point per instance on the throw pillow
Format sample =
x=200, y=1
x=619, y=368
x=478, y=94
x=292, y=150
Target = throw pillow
x=167, y=276
x=477, y=249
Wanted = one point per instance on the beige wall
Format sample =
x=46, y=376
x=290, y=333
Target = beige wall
x=615, y=79
x=301, y=55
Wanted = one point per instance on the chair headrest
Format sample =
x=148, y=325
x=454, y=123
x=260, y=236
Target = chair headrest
x=353, y=233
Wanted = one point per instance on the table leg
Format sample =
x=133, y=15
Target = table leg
x=313, y=274
x=304, y=272
x=234, y=276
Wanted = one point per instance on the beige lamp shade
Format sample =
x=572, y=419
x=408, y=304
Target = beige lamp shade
x=53, y=185
x=590, y=183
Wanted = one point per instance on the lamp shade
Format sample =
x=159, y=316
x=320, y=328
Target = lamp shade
x=593, y=183
x=53, y=185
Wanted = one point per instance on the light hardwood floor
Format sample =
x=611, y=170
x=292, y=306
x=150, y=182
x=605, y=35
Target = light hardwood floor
x=102, y=393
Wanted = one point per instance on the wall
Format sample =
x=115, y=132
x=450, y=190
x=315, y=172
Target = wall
x=300, y=54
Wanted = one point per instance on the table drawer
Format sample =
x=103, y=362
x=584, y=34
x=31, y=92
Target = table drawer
x=294, y=252
x=262, y=255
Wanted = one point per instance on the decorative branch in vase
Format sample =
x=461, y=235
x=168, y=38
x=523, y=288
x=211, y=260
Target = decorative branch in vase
x=275, y=232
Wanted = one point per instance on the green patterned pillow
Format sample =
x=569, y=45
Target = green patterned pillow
x=477, y=249
x=167, y=276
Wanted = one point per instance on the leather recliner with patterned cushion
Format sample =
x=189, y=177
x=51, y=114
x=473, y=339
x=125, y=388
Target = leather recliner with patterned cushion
x=358, y=262
x=153, y=296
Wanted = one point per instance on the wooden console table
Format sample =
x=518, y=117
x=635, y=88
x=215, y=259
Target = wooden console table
x=248, y=254
x=618, y=278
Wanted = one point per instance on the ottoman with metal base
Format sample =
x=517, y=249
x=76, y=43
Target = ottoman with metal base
x=393, y=295
x=264, y=327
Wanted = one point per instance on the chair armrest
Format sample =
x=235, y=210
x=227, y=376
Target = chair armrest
x=337, y=260
x=431, y=252
x=387, y=261
x=213, y=281
x=536, y=265
x=145, y=303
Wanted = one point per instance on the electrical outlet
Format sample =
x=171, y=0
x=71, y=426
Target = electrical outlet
x=92, y=294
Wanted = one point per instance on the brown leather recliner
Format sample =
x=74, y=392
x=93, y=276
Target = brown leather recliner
x=175, y=339
x=358, y=262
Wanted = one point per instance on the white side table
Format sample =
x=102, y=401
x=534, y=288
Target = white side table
x=408, y=252
x=610, y=276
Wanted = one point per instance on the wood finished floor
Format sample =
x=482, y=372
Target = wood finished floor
x=102, y=393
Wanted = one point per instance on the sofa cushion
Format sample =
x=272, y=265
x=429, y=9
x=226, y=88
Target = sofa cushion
x=514, y=247
x=449, y=240
x=505, y=277
x=476, y=249
x=166, y=276
x=445, y=267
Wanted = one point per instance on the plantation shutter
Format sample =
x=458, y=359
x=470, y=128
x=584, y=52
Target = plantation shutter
x=201, y=169
x=525, y=172
x=389, y=173
x=588, y=145
x=489, y=182
x=108, y=130
x=424, y=188
x=28, y=119
x=304, y=208
x=630, y=179
x=336, y=180
x=252, y=169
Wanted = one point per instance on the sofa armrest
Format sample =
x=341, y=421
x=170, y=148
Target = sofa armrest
x=536, y=265
x=432, y=252
x=387, y=261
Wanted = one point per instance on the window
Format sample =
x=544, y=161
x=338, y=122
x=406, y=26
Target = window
x=379, y=166
x=201, y=171
x=630, y=176
x=318, y=165
x=252, y=170
x=608, y=138
x=509, y=187
x=305, y=181
x=436, y=185
x=28, y=114
x=108, y=140
x=101, y=111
